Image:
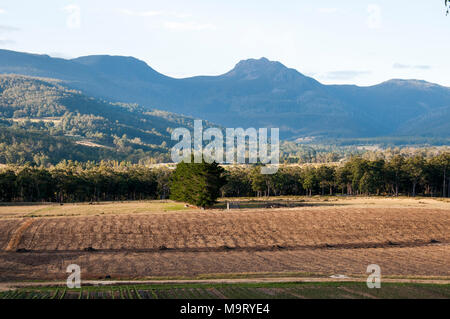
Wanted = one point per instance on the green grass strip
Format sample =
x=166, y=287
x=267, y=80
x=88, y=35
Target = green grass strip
x=137, y=293
x=153, y=293
x=129, y=293
x=55, y=294
x=63, y=294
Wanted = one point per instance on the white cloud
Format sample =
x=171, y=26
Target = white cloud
x=2, y=11
x=153, y=13
x=345, y=74
x=327, y=10
x=141, y=13
x=74, y=16
x=422, y=67
x=171, y=25
x=407, y=66
x=7, y=28
x=60, y=55
x=188, y=26
x=401, y=66
x=6, y=41
x=180, y=15
x=374, y=19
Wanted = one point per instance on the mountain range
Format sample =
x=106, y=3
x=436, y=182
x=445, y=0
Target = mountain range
x=255, y=93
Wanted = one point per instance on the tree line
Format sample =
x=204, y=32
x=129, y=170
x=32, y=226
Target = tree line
x=400, y=175
x=82, y=182
x=71, y=181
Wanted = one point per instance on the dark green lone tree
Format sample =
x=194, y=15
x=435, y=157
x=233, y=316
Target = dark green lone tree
x=198, y=184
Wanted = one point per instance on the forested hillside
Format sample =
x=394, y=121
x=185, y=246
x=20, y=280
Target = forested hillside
x=43, y=122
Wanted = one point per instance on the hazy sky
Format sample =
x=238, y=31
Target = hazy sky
x=346, y=41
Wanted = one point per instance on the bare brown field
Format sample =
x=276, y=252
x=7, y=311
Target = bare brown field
x=127, y=241
x=428, y=261
x=236, y=229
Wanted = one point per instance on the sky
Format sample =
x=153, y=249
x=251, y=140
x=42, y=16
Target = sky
x=336, y=42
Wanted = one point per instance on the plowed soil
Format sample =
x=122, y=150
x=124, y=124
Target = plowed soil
x=403, y=241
